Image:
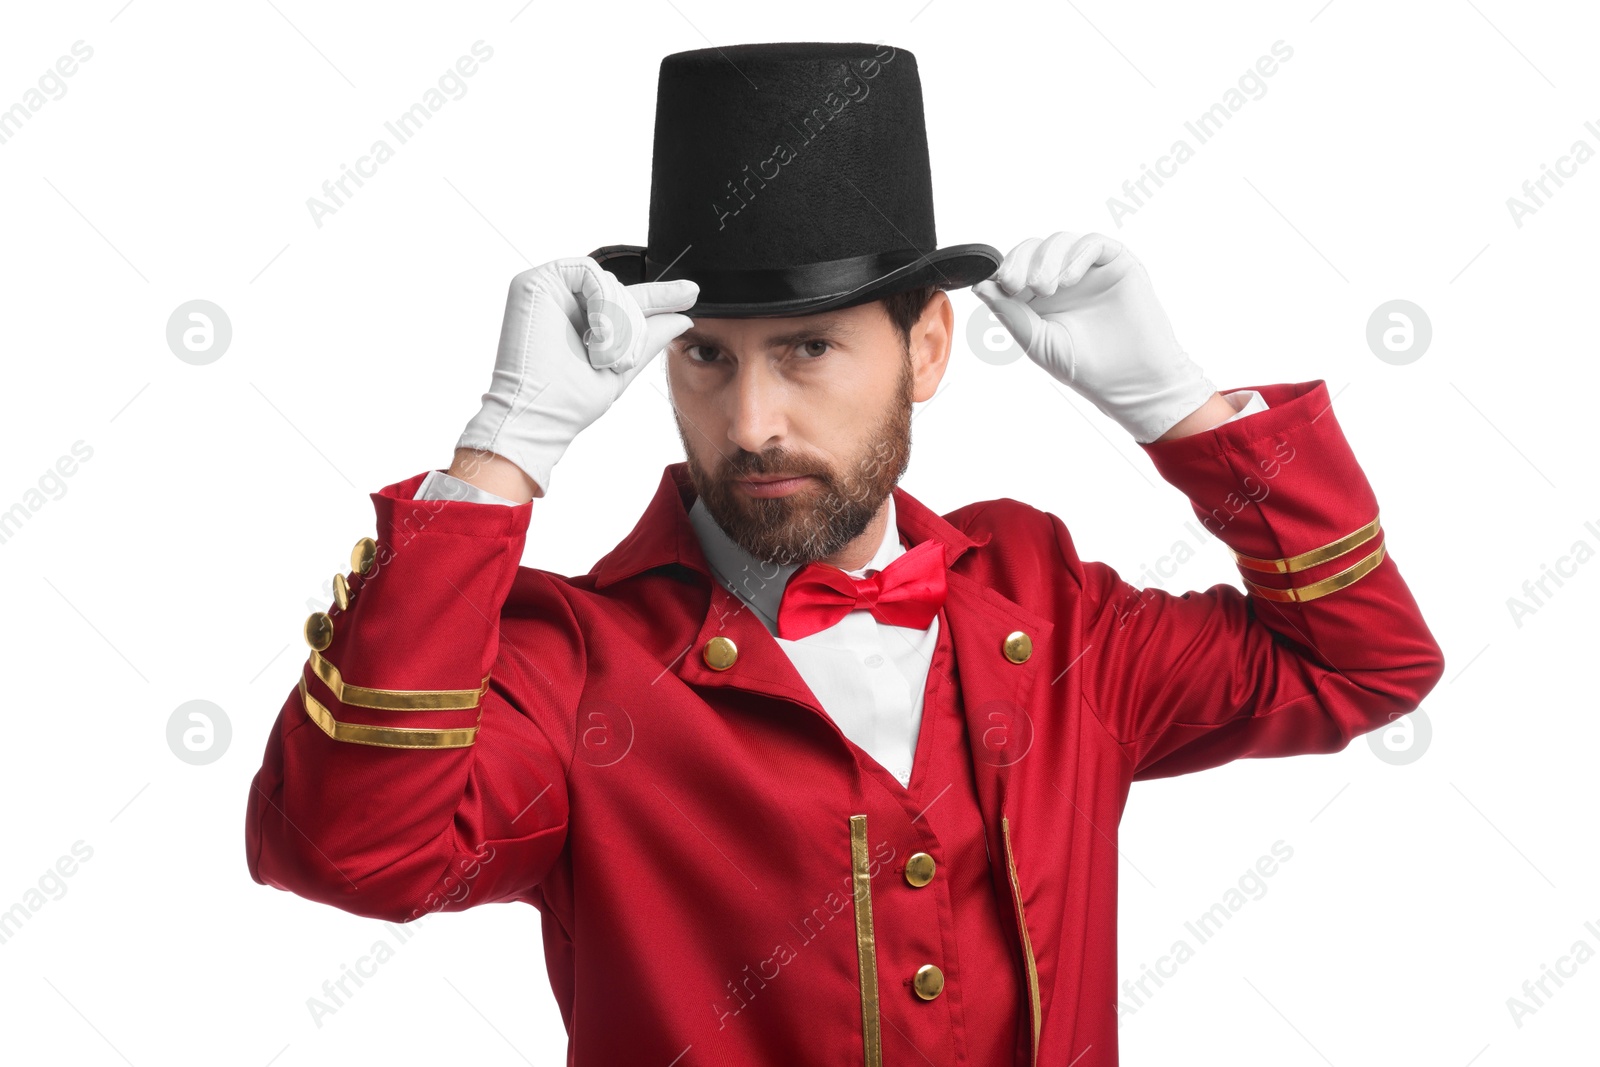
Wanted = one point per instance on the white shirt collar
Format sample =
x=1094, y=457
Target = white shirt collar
x=760, y=585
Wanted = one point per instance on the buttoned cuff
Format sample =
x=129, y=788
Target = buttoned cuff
x=1283, y=490
x=422, y=612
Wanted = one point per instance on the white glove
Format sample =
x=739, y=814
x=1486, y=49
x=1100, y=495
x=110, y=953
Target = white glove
x=1084, y=310
x=573, y=339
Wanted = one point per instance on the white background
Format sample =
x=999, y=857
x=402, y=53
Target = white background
x=219, y=499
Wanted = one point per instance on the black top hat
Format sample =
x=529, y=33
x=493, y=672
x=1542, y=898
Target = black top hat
x=790, y=179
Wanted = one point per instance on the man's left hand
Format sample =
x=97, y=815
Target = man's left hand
x=1084, y=310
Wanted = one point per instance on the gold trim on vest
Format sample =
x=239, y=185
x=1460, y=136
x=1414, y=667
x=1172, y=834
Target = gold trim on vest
x=1027, y=944
x=866, y=948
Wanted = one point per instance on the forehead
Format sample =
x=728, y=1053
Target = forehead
x=859, y=321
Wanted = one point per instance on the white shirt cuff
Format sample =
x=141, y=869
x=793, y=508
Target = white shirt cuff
x=1248, y=401
x=441, y=486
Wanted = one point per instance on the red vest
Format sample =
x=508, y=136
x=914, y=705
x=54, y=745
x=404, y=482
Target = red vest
x=944, y=790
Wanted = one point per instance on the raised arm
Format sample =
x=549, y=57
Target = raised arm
x=1325, y=643
x=418, y=765
x=420, y=762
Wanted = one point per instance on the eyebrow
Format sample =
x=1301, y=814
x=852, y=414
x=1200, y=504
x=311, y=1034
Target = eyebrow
x=834, y=324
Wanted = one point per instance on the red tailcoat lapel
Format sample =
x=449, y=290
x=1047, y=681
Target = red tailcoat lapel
x=995, y=691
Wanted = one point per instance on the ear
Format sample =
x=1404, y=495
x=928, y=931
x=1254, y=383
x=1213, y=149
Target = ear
x=931, y=339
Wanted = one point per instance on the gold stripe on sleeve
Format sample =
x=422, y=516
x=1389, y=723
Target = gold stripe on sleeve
x=394, y=699
x=382, y=736
x=866, y=947
x=1328, y=585
x=1309, y=559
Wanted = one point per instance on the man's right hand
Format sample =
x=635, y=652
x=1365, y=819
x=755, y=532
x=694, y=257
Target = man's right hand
x=573, y=339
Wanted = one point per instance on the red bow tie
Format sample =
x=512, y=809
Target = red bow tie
x=908, y=592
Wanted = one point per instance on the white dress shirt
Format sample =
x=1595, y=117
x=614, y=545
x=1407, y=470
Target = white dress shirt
x=869, y=676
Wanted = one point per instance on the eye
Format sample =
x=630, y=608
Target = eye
x=689, y=351
x=806, y=347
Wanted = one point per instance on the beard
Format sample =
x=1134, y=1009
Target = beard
x=818, y=520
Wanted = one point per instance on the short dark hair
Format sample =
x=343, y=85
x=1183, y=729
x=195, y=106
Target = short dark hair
x=905, y=308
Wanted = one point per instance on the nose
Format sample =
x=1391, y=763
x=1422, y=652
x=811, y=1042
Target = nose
x=759, y=397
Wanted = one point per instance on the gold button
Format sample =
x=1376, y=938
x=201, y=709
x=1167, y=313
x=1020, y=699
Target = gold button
x=319, y=630
x=929, y=981
x=1017, y=646
x=341, y=592
x=364, y=556
x=720, y=653
x=919, y=869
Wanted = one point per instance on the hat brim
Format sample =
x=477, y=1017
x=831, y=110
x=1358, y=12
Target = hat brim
x=814, y=287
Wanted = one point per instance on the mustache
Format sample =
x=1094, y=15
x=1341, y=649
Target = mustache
x=769, y=463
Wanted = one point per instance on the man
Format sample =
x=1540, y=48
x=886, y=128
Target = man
x=800, y=771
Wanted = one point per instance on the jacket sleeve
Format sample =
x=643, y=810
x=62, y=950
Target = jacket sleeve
x=420, y=763
x=1325, y=643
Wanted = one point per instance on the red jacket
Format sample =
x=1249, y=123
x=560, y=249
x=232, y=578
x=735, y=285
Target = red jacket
x=723, y=876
